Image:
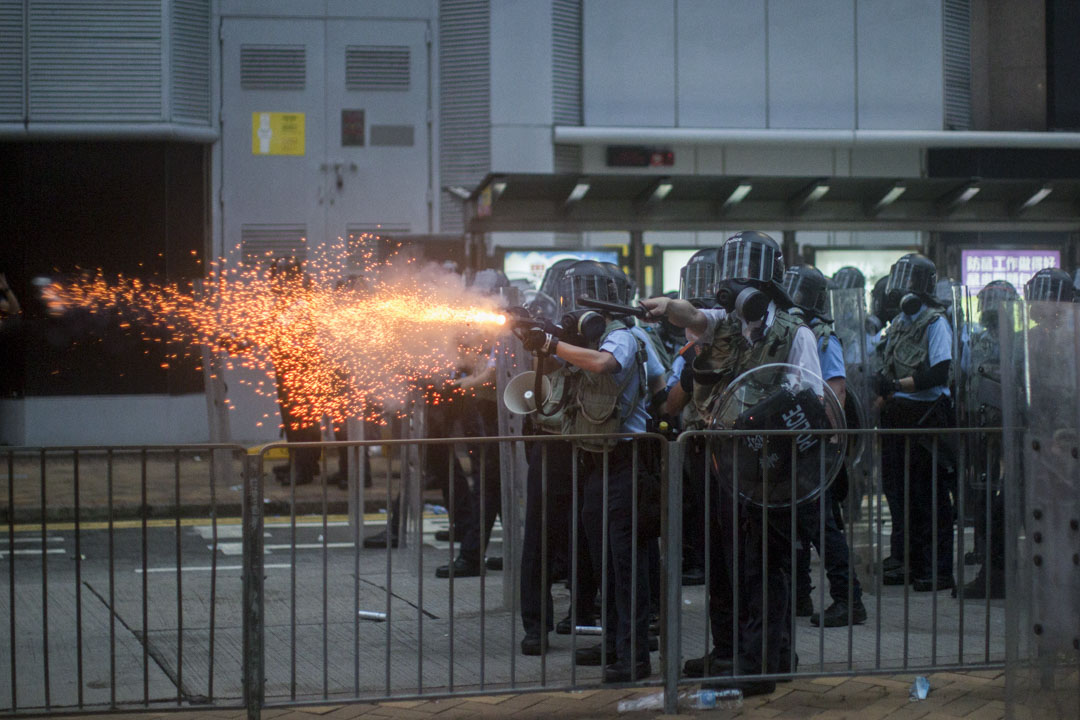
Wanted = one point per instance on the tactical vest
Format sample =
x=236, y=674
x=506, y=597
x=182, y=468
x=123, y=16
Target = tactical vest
x=553, y=423
x=592, y=405
x=906, y=346
x=822, y=330
x=730, y=354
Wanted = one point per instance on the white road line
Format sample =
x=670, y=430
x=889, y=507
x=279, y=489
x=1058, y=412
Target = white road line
x=29, y=540
x=35, y=551
x=208, y=568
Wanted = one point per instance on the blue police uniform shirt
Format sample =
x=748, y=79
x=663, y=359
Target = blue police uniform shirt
x=939, y=339
x=677, y=366
x=653, y=367
x=623, y=347
x=830, y=356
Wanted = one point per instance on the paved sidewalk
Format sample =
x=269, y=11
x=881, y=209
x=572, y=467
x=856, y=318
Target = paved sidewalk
x=968, y=696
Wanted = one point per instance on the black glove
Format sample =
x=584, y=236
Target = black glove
x=884, y=386
x=538, y=341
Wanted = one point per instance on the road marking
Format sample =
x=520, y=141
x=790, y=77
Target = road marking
x=35, y=551
x=369, y=518
x=234, y=549
x=27, y=540
x=209, y=568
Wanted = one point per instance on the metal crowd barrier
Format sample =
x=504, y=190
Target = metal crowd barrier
x=158, y=598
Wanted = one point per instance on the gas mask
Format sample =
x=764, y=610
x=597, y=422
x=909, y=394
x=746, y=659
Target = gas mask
x=749, y=302
x=583, y=327
x=911, y=304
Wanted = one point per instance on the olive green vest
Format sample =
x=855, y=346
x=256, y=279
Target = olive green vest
x=906, y=346
x=823, y=333
x=592, y=405
x=730, y=354
x=553, y=422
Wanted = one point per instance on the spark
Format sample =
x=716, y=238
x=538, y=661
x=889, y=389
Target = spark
x=345, y=337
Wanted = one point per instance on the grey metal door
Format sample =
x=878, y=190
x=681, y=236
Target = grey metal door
x=378, y=150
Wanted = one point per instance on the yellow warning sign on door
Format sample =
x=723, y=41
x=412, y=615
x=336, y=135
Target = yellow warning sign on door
x=276, y=133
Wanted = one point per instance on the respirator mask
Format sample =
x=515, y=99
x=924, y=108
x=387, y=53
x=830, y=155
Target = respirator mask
x=911, y=304
x=583, y=327
x=748, y=301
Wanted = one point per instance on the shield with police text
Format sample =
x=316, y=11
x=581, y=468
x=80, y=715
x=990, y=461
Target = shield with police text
x=780, y=452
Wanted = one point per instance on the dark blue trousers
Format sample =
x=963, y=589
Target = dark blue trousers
x=623, y=547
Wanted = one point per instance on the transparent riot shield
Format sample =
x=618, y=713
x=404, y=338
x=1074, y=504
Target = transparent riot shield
x=1039, y=347
x=848, y=310
x=778, y=470
x=511, y=359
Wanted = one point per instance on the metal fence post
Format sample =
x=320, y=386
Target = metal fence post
x=253, y=626
x=672, y=473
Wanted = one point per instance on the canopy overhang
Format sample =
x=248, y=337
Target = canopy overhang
x=648, y=201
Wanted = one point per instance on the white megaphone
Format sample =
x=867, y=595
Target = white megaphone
x=520, y=394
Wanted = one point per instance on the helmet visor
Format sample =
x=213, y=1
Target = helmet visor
x=1047, y=288
x=697, y=281
x=805, y=292
x=993, y=297
x=597, y=287
x=909, y=277
x=747, y=261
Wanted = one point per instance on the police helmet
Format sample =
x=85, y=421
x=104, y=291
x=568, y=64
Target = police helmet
x=991, y=298
x=943, y=291
x=848, y=278
x=882, y=305
x=1050, y=284
x=623, y=284
x=586, y=278
x=698, y=278
x=549, y=285
x=913, y=273
x=808, y=290
x=752, y=257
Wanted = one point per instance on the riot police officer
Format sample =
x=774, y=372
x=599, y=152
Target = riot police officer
x=605, y=394
x=808, y=290
x=752, y=326
x=915, y=357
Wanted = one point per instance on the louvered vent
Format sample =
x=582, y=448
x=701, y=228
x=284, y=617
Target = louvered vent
x=376, y=67
x=464, y=102
x=957, y=32
x=567, y=158
x=92, y=60
x=273, y=67
x=11, y=60
x=368, y=242
x=260, y=243
x=191, y=60
x=566, y=61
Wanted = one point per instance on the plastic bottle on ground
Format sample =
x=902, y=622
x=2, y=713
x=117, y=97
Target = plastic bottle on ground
x=724, y=699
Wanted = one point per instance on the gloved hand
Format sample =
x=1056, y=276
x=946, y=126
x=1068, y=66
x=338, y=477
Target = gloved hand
x=885, y=386
x=538, y=341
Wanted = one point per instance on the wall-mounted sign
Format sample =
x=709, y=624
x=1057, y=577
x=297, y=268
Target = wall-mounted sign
x=637, y=156
x=532, y=264
x=275, y=133
x=980, y=267
x=352, y=128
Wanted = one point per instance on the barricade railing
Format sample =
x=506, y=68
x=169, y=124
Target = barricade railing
x=290, y=608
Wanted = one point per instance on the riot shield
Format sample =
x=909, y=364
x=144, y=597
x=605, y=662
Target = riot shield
x=848, y=310
x=777, y=470
x=511, y=359
x=1039, y=347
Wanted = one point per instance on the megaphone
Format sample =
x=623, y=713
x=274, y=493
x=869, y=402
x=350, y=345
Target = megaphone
x=520, y=394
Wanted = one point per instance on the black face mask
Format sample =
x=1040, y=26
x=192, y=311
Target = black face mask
x=749, y=302
x=584, y=327
x=911, y=303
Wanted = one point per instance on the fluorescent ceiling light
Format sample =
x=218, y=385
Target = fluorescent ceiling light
x=890, y=196
x=1037, y=197
x=737, y=196
x=578, y=192
x=661, y=191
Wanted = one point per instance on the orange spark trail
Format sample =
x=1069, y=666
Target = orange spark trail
x=335, y=345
